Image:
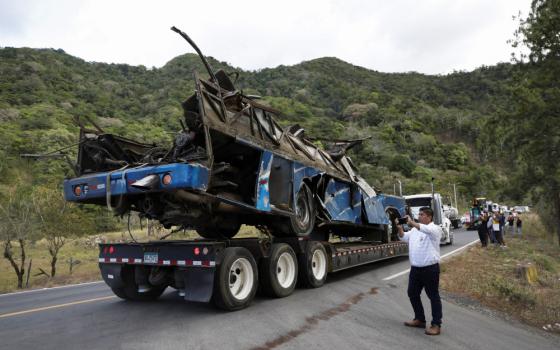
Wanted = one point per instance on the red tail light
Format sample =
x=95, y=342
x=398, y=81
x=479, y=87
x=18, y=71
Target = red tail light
x=111, y=250
x=196, y=251
x=166, y=180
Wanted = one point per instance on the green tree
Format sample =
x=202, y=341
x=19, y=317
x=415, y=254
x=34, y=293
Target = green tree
x=535, y=131
x=57, y=220
x=17, y=227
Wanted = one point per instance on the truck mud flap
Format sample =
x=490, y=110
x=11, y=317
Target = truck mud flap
x=199, y=284
x=112, y=275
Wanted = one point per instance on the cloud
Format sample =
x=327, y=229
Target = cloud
x=431, y=36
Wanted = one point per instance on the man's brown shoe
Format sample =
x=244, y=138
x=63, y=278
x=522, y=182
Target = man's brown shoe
x=415, y=323
x=433, y=330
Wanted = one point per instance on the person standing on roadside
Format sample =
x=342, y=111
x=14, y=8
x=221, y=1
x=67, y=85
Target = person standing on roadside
x=519, y=225
x=502, y=224
x=490, y=228
x=483, y=230
x=423, y=252
x=510, y=222
x=497, y=228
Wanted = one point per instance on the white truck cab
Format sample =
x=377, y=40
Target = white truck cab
x=417, y=201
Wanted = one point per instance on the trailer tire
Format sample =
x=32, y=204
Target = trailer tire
x=313, y=265
x=236, y=279
x=130, y=289
x=119, y=292
x=279, y=272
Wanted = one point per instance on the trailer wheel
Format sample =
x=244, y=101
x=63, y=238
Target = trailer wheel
x=236, y=279
x=313, y=265
x=130, y=289
x=279, y=271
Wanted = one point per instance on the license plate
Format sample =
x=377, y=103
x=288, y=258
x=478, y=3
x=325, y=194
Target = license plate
x=150, y=258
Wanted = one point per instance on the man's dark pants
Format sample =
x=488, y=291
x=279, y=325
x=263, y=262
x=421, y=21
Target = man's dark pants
x=428, y=278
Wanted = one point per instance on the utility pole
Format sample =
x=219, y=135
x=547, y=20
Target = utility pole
x=455, y=195
x=400, y=188
x=433, y=178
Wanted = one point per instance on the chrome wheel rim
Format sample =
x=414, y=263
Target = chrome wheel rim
x=241, y=278
x=319, y=264
x=285, y=270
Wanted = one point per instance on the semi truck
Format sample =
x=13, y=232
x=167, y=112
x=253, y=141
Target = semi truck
x=433, y=201
x=232, y=164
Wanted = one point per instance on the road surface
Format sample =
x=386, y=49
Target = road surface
x=361, y=308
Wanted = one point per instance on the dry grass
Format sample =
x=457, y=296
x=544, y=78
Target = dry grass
x=489, y=276
x=85, y=250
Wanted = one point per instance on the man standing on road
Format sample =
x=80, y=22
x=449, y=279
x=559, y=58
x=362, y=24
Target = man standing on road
x=423, y=251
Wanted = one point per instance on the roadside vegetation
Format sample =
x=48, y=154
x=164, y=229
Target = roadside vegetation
x=491, y=276
x=78, y=258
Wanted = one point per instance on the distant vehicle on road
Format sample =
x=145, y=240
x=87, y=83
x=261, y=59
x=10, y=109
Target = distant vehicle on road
x=521, y=208
x=417, y=201
x=452, y=214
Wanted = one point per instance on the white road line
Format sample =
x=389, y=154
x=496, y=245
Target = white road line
x=442, y=257
x=46, y=289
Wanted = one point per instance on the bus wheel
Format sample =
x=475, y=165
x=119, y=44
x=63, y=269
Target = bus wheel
x=236, y=279
x=313, y=265
x=218, y=232
x=302, y=223
x=391, y=231
x=279, y=271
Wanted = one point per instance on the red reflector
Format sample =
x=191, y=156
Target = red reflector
x=111, y=250
x=78, y=190
x=166, y=180
x=105, y=250
x=196, y=251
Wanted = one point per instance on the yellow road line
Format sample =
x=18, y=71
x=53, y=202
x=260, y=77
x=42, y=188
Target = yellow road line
x=55, y=306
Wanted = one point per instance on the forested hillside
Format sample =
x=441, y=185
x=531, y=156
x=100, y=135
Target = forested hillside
x=420, y=126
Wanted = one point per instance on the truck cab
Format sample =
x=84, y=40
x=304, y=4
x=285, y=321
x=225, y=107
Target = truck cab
x=434, y=201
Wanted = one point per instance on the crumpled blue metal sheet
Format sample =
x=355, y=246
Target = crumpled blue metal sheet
x=389, y=201
x=301, y=172
x=343, y=202
x=375, y=210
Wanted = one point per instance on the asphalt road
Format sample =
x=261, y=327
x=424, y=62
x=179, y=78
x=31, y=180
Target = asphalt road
x=361, y=308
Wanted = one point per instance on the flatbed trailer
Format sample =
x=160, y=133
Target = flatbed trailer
x=229, y=272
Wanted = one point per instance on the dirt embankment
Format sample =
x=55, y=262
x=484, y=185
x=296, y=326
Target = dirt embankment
x=490, y=276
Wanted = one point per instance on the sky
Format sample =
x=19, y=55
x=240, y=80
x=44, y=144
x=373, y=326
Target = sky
x=426, y=36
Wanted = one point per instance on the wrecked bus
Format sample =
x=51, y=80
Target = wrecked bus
x=232, y=164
